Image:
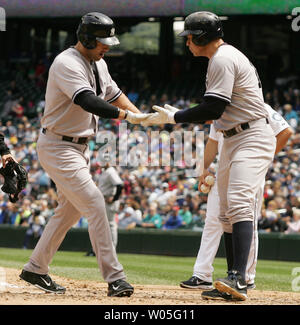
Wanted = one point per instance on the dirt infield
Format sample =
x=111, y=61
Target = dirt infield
x=17, y=292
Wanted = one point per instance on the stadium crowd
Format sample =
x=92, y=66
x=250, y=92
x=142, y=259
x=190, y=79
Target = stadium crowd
x=152, y=196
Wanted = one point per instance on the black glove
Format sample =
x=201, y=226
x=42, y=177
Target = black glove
x=15, y=180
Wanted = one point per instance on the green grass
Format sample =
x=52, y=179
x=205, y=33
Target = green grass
x=150, y=269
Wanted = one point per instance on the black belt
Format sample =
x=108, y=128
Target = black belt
x=238, y=129
x=83, y=140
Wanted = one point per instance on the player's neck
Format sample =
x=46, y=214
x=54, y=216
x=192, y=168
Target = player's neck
x=213, y=47
x=82, y=51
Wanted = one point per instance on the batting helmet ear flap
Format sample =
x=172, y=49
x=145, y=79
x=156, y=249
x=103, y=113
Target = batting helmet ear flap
x=89, y=42
x=205, y=38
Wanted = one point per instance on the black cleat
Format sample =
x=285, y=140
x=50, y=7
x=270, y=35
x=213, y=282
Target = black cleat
x=234, y=285
x=119, y=288
x=216, y=295
x=196, y=283
x=42, y=281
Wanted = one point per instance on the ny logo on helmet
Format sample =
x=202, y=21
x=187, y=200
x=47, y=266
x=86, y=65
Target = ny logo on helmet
x=112, y=32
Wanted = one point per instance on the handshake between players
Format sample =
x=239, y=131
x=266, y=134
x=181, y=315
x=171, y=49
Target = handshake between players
x=163, y=115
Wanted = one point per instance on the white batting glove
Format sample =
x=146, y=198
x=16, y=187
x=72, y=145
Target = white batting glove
x=136, y=118
x=171, y=109
x=163, y=116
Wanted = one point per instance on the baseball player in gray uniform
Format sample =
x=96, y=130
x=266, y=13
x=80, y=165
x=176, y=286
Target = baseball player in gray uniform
x=212, y=232
x=234, y=101
x=79, y=90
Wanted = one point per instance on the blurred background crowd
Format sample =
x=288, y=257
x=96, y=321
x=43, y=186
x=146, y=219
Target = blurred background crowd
x=152, y=197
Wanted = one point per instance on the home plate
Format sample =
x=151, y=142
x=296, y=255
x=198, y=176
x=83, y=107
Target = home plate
x=13, y=288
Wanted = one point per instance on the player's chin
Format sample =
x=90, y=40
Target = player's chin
x=98, y=57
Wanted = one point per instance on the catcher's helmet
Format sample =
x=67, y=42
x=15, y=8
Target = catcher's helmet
x=94, y=27
x=204, y=26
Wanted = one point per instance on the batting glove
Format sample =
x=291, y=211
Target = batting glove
x=135, y=118
x=171, y=109
x=163, y=116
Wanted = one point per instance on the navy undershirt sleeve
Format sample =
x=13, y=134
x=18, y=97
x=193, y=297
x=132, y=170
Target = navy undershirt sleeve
x=95, y=105
x=210, y=109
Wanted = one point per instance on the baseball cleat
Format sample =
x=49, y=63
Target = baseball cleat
x=119, y=288
x=196, y=283
x=42, y=281
x=216, y=295
x=234, y=285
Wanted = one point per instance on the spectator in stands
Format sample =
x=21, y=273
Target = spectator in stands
x=294, y=226
x=14, y=214
x=36, y=224
x=174, y=220
x=133, y=95
x=6, y=111
x=185, y=214
x=163, y=198
x=24, y=213
x=129, y=220
x=18, y=111
x=4, y=214
x=164, y=99
x=152, y=219
x=291, y=116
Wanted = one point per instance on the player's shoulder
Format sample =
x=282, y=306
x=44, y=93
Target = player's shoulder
x=224, y=56
x=68, y=58
x=228, y=53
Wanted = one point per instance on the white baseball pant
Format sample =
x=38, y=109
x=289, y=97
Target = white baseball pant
x=211, y=236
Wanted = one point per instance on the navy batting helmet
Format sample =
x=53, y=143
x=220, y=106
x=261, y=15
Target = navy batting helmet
x=94, y=27
x=204, y=26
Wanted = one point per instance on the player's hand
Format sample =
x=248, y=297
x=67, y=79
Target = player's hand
x=171, y=109
x=109, y=199
x=202, y=179
x=163, y=116
x=136, y=118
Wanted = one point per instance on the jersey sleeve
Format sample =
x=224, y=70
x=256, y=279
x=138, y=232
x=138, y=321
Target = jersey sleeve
x=220, y=78
x=71, y=78
x=114, y=177
x=112, y=90
x=277, y=122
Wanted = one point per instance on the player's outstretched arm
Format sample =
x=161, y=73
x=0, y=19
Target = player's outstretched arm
x=210, y=109
x=124, y=103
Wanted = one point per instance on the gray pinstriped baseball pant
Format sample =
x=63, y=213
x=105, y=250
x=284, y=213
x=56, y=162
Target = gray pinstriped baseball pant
x=68, y=166
x=244, y=161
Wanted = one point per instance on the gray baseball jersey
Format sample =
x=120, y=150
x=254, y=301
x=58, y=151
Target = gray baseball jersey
x=108, y=180
x=69, y=75
x=277, y=123
x=232, y=77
